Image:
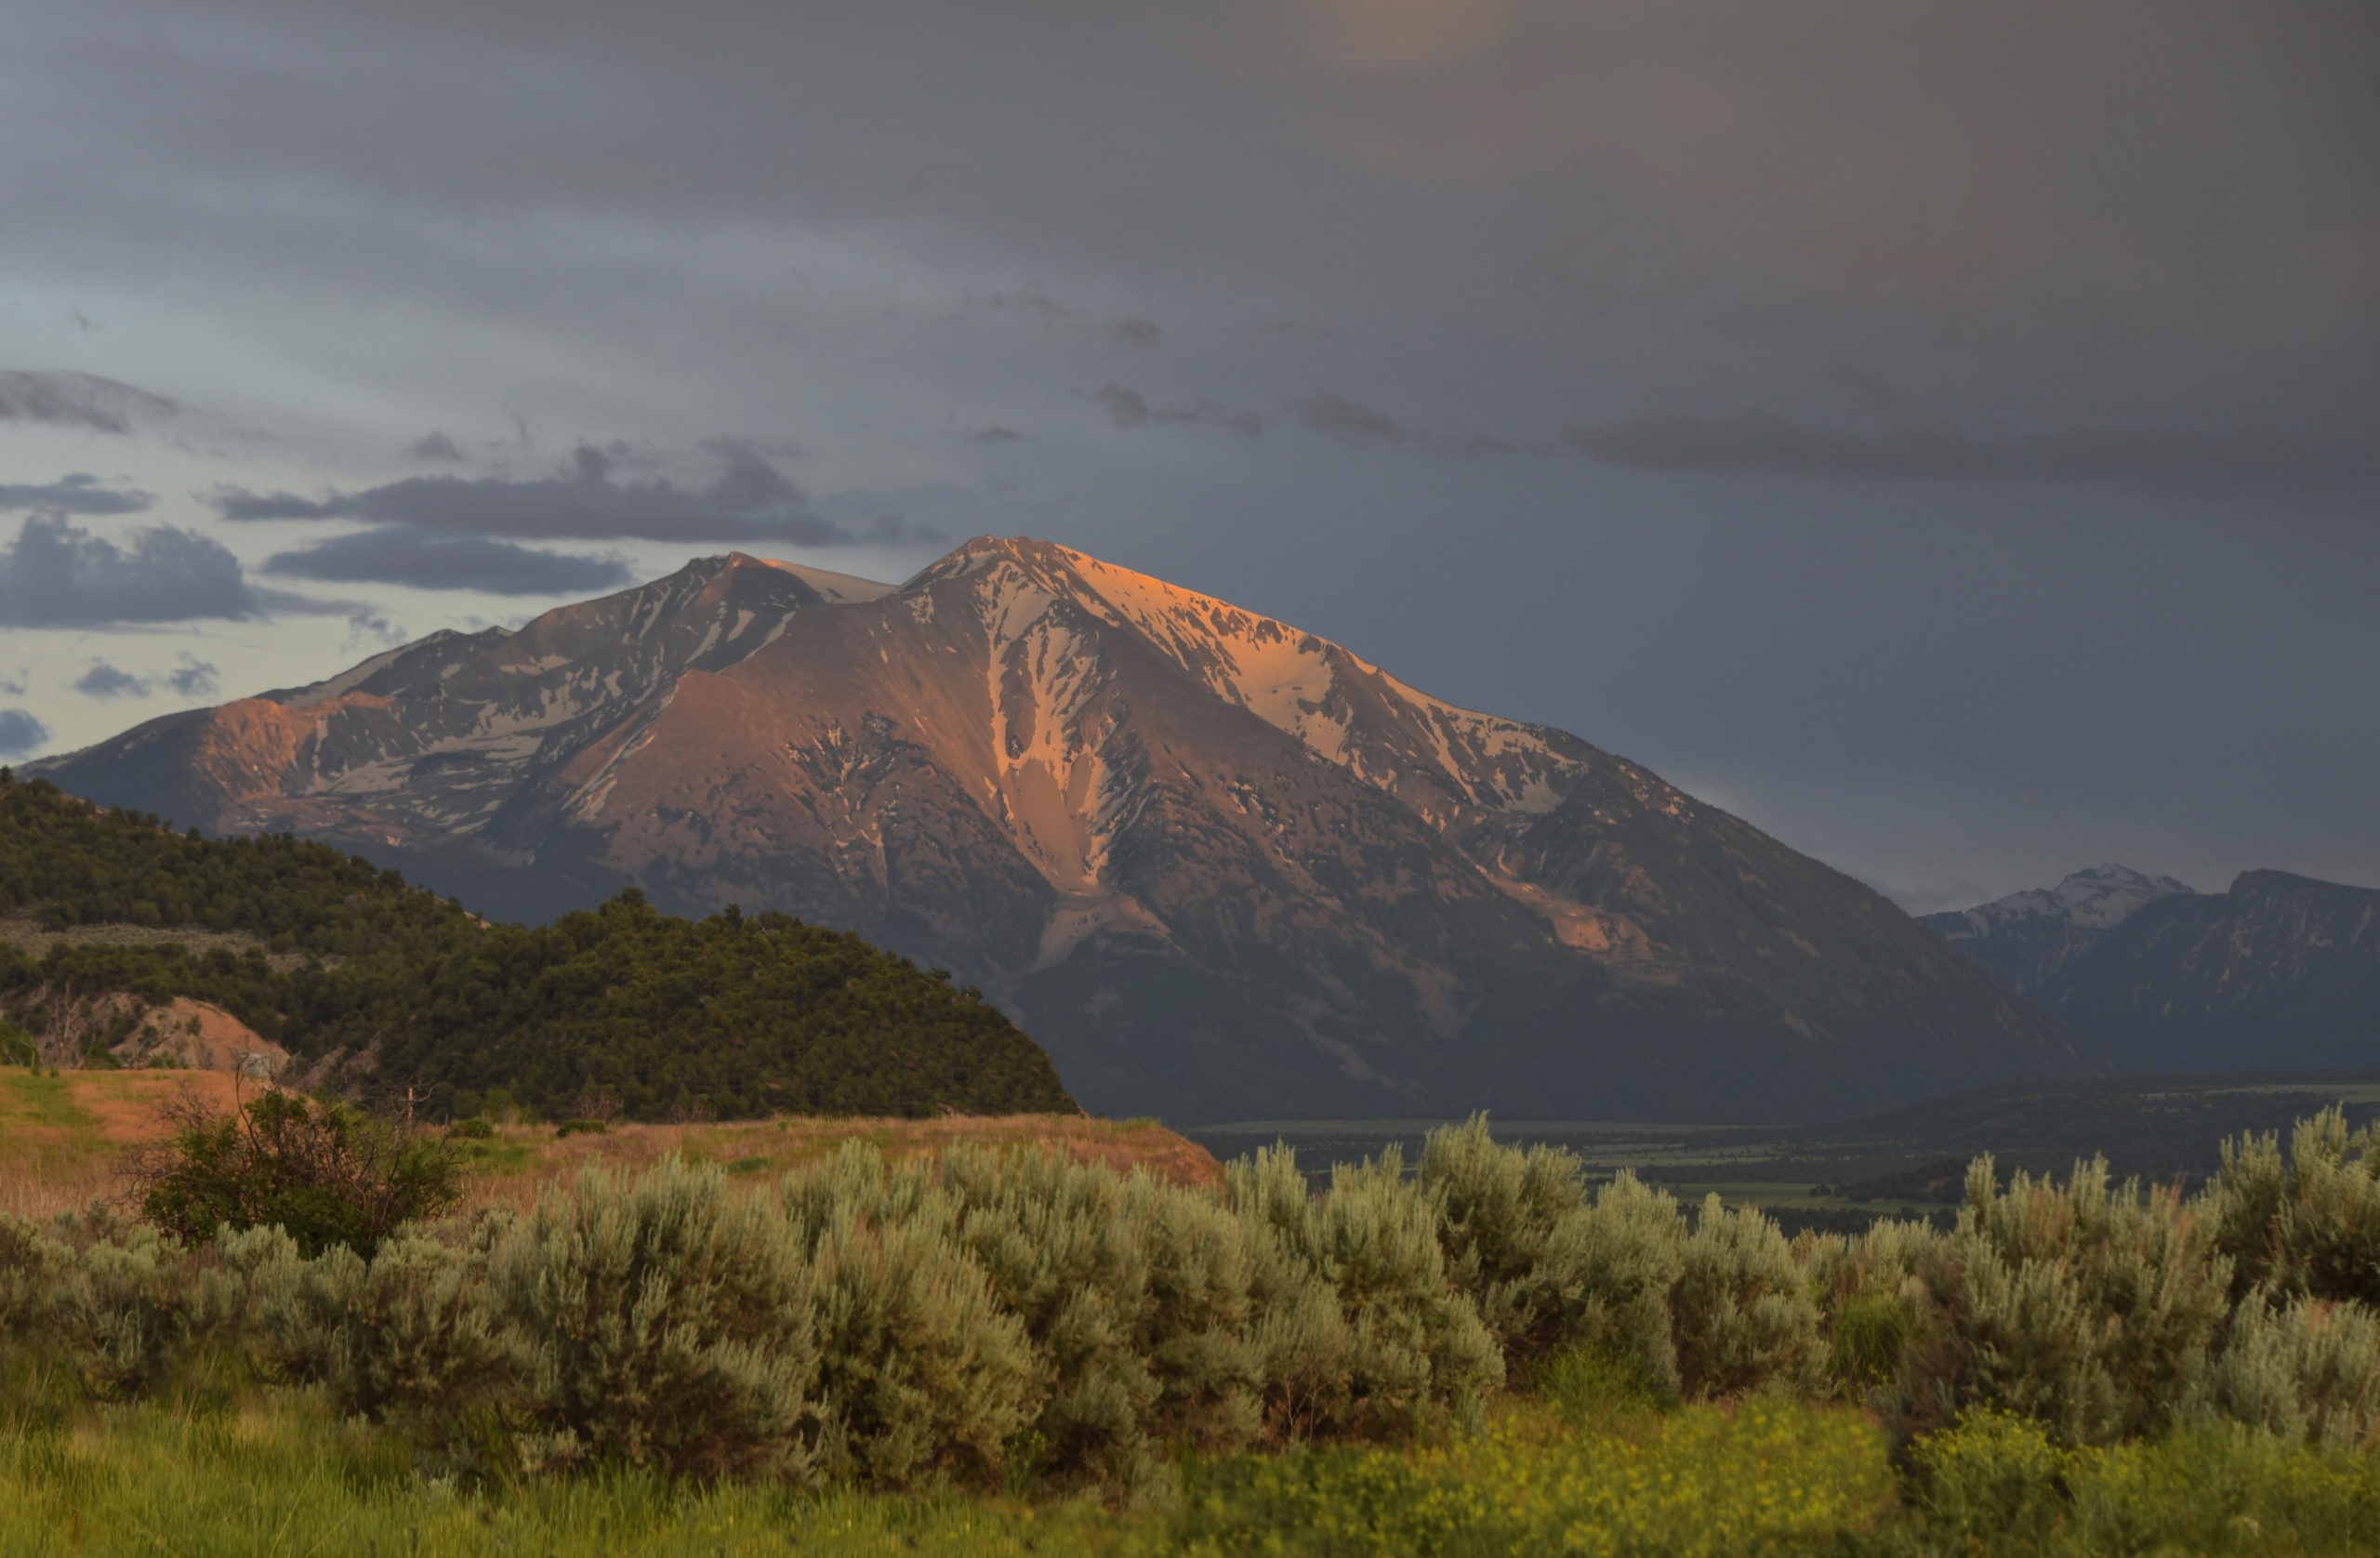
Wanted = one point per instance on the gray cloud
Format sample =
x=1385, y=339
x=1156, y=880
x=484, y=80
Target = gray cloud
x=74, y=400
x=103, y=681
x=1127, y=407
x=78, y=493
x=58, y=574
x=364, y=625
x=193, y=677
x=394, y=554
x=997, y=435
x=435, y=446
x=20, y=733
x=751, y=501
x=1755, y=445
x=1033, y=304
x=1361, y=427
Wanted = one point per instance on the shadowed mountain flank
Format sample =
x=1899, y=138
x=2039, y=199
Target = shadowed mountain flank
x=1218, y=866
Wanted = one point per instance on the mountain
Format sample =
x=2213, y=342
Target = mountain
x=1220, y=867
x=2026, y=937
x=2279, y=971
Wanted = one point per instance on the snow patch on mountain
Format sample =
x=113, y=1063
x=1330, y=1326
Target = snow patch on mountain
x=2097, y=899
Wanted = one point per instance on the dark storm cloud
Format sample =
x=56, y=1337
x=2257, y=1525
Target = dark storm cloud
x=1769, y=447
x=103, y=681
x=76, y=400
x=58, y=574
x=78, y=493
x=20, y=733
x=435, y=446
x=399, y=556
x=751, y=501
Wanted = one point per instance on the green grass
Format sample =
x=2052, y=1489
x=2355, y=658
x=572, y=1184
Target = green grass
x=288, y=1481
x=29, y=1098
x=1585, y=1467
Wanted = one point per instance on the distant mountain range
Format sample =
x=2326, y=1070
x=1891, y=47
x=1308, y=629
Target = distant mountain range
x=2027, y=937
x=2279, y=971
x=1218, y=866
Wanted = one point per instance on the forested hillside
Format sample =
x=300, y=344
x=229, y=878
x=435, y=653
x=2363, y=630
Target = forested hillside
x=388, y=987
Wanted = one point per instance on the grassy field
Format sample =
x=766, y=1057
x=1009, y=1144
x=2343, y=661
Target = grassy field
x=61, y=1136
x=1576, y=1468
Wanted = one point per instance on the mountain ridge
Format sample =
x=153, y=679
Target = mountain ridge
x=1212, y=862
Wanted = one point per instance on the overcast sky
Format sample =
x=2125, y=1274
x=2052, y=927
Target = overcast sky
x=1947, y=435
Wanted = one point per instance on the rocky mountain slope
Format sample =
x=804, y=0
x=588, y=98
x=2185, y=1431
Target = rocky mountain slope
x=1219, y=867
x=2026, y=937
x=2279, y=971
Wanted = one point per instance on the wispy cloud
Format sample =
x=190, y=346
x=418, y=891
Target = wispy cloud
x=1127, y=407
x=1036, y=306
x=393, y=554
x=78, y=493
x=75, y=399
x=750, y=501
x=1761, y=445
x=435, y=446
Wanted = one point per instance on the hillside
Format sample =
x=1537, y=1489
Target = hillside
x=1220, y=867
x=379, y=987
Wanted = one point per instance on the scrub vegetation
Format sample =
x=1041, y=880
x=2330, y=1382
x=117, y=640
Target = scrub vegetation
x=619, y=1009
x=991, y=1352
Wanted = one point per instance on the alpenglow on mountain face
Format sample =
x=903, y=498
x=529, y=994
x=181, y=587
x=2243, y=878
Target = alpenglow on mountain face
x=1219, y=868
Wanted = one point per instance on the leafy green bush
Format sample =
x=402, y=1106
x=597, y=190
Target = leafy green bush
x=327, y=1173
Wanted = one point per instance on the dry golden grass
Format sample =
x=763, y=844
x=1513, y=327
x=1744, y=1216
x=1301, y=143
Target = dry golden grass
x=61, y=1138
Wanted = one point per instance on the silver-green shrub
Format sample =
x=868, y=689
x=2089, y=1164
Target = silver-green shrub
x=1135, y=1298
x=2308, y=1224
x=2304, y=1368
x=2087, y=1307
x=412, y=1335
x=127, y=1313
x=1506, y=1215
x=1361, y=1327
x=29, y=1258
x=920, y=1369
x=661, y=1322
x=1740, y=1311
